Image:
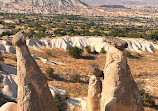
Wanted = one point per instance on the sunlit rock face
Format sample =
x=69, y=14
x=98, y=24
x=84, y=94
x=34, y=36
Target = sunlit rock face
x=96, y=43
x=120, y=92
x=32, y=86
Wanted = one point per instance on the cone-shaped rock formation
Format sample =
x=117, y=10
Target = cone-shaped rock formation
x=94, y=90
x=33, y=90
x=120, y=92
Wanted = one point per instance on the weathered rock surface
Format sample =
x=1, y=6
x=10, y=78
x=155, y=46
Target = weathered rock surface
x=8, y=85
x=10, y=106
x=74, y=104
x=38, y=43
x=59, y=93
x=8, y=69
x=94, y=89
x=95, y=71
x=94, y=94
x=6, y=46
x=118, y=43
x=96, y=43
x=120, y=92
x=33, y=90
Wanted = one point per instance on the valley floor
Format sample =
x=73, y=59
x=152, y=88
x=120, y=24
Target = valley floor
x=143, y=67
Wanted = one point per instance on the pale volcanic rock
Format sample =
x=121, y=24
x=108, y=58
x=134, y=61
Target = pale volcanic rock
x=9, y=86
x=74, y=104
x=94, y=94
x=8, y=69
x=118, y=43
x=59, y=93
x=60, y=43
x=10, y=106
x=33, y=90
x=8, y=81
x=94, y=89
x=5, y=46
x=96, y=43
x=120, y=92
x=95, y=71
x=38, y=43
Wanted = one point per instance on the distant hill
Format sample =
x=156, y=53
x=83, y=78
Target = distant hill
x=56, y=3
x=112, y=6
x=39, y=5
x=121, y=2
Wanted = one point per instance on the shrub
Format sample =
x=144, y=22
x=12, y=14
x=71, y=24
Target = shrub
x=1, y=58
x=1, y=69
x=48, y=53
x=6, y=33
x=75, y=52
x=75, y=77
x=102, y=50
x=147, y=100
x=49, y=71
x=128, y=53
x=88, y=49
x=14, y=58
x=139, y=55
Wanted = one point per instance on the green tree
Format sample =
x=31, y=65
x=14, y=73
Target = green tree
x=6, y=33
x=88, y=49
x=43, y=29
x=49, y=71
x=75, y=52
x=102, y=50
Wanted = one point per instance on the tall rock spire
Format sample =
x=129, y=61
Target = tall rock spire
x=94, y=90
x=120, y=92
x=33, y=90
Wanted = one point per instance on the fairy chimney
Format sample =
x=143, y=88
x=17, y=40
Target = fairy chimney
x=120, y=92
x=33, y=90
x=94, y=90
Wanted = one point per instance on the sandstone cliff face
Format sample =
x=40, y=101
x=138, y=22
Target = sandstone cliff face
x=120, y=92
x=33, y=91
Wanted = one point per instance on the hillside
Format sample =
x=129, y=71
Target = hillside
x=39, y=6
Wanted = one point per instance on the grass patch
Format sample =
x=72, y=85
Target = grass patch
x=147, y=100
x=48, y=53
x=75, y=78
